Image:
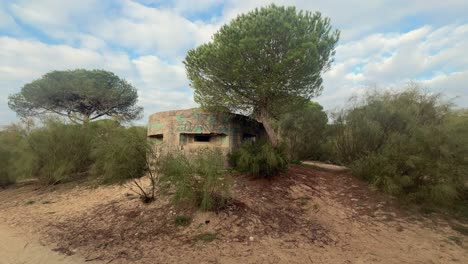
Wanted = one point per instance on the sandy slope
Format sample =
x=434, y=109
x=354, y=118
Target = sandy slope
x=307, y=216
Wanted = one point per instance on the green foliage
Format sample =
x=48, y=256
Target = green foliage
x=119, y=152
x=303, y=131
x=263, y=62
x=15, y=159
x=80, y=95
x=61, y=151
x=259, y=159
x=57, y=152
x=206, y=237
x=406, y=143
x=198, y=180
x=182, y=220
x=29, y=202
x=9, y=138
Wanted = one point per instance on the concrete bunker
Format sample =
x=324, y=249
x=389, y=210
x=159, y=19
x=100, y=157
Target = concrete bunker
x=192, y=129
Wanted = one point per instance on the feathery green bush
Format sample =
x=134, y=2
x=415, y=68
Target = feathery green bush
x=408, y=143
x=57, y=152
x=119, y=153
x=259, y=159
x=62, y=151
x=303, y=132
x=199, y=180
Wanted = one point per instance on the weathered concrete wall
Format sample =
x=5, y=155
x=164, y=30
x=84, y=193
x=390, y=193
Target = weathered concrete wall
x=183, y=129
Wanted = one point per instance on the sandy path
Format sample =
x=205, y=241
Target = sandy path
x=16, y=248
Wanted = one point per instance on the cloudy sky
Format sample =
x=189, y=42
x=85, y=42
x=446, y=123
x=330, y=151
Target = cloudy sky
x=383, y=44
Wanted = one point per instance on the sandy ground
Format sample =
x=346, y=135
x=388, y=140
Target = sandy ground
x=325, y=166
x=16, y=248
x=310, y=215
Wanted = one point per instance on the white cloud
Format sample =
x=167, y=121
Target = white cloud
x=153, y=30
x=160, y=75
x=453, y=85
x=57, y=18
x=126, y=24
x=429, y=55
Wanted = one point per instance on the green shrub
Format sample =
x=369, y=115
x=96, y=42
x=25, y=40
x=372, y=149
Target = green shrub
x=8, y=139
x=15, y=159
x=61, y=151
x=119, y=153
x=303, y=132
x=6, y=178
x=407, y=143
x=57, y=151
x=198, y=180
x=259, y=159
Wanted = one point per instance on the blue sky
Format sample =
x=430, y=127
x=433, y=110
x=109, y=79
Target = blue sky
x=384, y=44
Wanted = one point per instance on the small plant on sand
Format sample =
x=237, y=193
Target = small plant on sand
x=206, y=237
x=455, y=239
x=152, y=161
x=316, y=206
x=303, y=201
x=182, y=220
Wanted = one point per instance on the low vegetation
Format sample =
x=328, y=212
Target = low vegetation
x=409, y=143
x=182, y=220
x=303, y=132
x=118, y=152
x=206, y=237
x=197, y=180
x=57, y=152
x=10, y=141
x=259, y=159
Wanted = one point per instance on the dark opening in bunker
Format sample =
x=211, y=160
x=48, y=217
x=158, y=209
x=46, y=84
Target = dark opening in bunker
x=249, y=137
x=202, y=138
x=212, y=138
x=158, y=138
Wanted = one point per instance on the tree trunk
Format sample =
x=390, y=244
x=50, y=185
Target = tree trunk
x=86, y=120
x=266, y=121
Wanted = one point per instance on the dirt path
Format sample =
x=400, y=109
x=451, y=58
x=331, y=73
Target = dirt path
x=309, y=215
x=16, y=248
